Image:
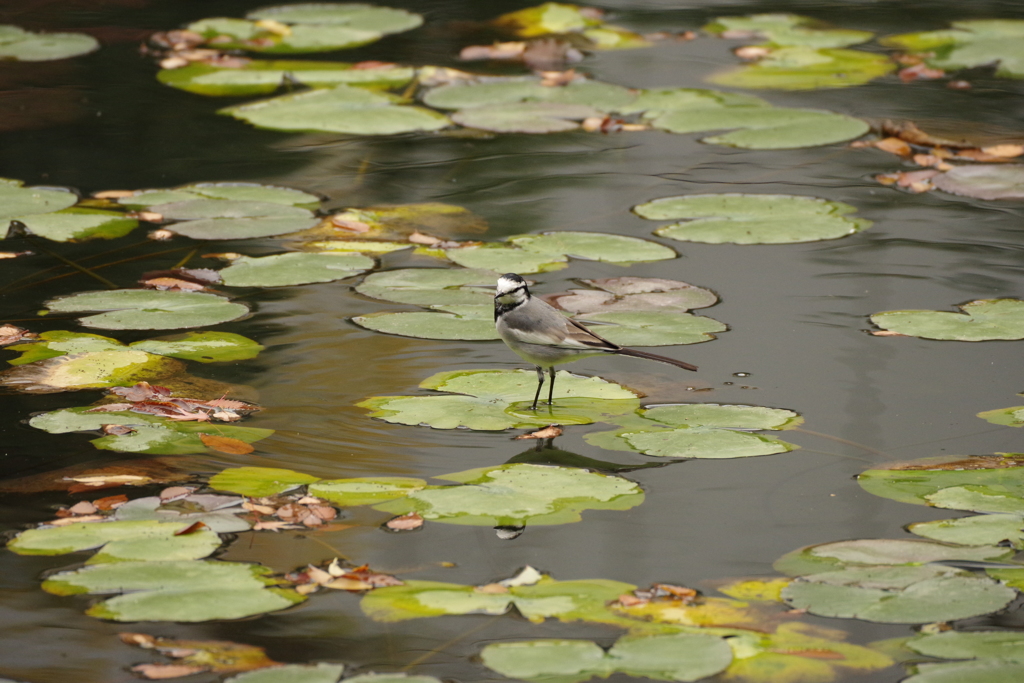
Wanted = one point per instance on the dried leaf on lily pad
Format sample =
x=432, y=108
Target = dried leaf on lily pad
x=204, y=347
x=752, y=218
x=806, y=68
x=969, y=44
x=781, y=29
x=263, y=77
x=25, y=46
x=495, y=400
x=296, y=268
x=121, y=541
x=18, y=202
x=183, y=591
x=676, y=657
x=150, y=433
x=341, y=109
x=89, y=370
x=981, y=320
x=984, y=181
x=205, y=655
x=517, y=494
x=144, y=309
x=465, y=322
x=898, y=595
x=79, y=224
x=983, y=483
x=431, y=286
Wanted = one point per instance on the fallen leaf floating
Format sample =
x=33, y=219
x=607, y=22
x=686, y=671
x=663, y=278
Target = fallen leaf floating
x=157, y=400
x=406, y=522
x=335, y=576
x=283, y=512
x=12, y=334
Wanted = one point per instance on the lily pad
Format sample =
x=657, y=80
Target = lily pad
x=298, y=673
x=1008, y=417
x=1007, y=646
x=898, y=595
x=354, y=15
x=263, y=77
x=341, y=109
x=239, y=192
x=550, y=17
x=76, y=224
x=195, y=209
x=356, y=246
x=151, y=434
x=641, y=293
x=18, y=202
x=220, y=514
x=885, y=551
x=120, y=541
x=365, y=490
x=678, y=657
x=497, y=257
x=518, y=494
x=988, y=671
x=466, y=322
x=786, y=29
x=807, y=68
x=431, y=286
x=969, y=44
x=981, y=320
x=525, y=117
x=594, y=246
x=189, y=591
x=975, y=530
x=984, y=181
x=587, y=95
x=55, y=343
x=89, y=370
x=297, y=268
x=144, y=309
x=656, y=101
x=975, y=499
x=654, y=328
x=916, y=481
x=242, y=228
x=258, y=482
x=752, y=218
x=25, y=46
x=702, y=442
x=204, y=347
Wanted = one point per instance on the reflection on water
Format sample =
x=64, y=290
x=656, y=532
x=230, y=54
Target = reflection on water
x=796, y=315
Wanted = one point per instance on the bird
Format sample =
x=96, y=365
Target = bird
x=541, y=335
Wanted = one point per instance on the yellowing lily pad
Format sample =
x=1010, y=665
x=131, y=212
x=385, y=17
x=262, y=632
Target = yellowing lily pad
x=204, y=347
x=968, y=44
x=98, y=369
x=989, y=529
x=764, y=127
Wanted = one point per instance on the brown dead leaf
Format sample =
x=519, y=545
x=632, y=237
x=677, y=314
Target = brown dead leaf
x=346, y=584
x=15, y=254
x=191, y=529
x=113, y=194
x=1004, y=150
x=752, y=53
x=629, y=600
x=170, y=284
x=418, y=237
x=894, y=146
x=511, y=50
x=226, y=444
x=110, y=502
x=117, y=430
x=134, y=473
x=172, y=493
x=340, y=221
x=209, y=655
x=406, y=522
x=886, y=333
x=258, y=508
x=491, y=589
x=150, y=217
x=156, y=672
x=160, y=235
x=554, y=79
x=83, y=508
x=76, y=520
x=920, y=72
x=174, y=62
x=273, y=526
x=375, y=579
x=12, y=334
x=549, y=432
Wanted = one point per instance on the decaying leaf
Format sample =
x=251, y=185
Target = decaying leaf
x=406, y=522
x=12, y=334
x=196, y=656
x=226, y=444
x=549, y=432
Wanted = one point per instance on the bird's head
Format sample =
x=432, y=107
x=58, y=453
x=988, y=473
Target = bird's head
x=511, y=290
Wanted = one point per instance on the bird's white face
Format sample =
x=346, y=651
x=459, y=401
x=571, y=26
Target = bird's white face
x=510, y=291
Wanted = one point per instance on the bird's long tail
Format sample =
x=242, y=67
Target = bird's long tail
x=653, y=356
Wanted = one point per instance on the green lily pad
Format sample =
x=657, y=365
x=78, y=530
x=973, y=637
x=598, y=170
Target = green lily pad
x=525, y=117
x=594, y=246
x=1007, y=646
x=786, y=29
x=242, y=228
x=975, y=499
x=76, y=225
x=263, y=77
x=886, y=551
x=988, y=671
x=677, y=657
x=752, y=218
x=152, y=434
x=915, y=482
x=258, y=482
x=25, y=46
x=469, y=96
x=204, y=347
x=518, y=494
x=56, y=343
x=466, y=322
x=239, y=192
x=296, y=268
x=354, y=15
x=564, y=600
x=703, y=442
x=981, y=320
x=984, y=181
x=764, y=127
x=300, y=673
x=976, y=530
x=365, y=490
x=195, y=209
x=120, y=541
x=184, y=591
x=145, y=309
x=357, y=246
x=723, y=416
x=18, y=202
x=496, y=257
x=1008, y=417
x=656, y=101
x=431, y=286
x=89, y=370
x=219, y=513
x=807, y=68
x=653, y=328
x=341, y=109
x=968, y=44
x=898, y=595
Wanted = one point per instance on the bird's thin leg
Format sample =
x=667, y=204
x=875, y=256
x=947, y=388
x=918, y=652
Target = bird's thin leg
x=551, y=385
x=540, y=383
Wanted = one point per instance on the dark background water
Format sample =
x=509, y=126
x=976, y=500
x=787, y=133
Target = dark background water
x=797, y=315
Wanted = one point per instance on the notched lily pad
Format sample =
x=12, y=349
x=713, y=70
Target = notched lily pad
x=653, y=328
x=257, y=482
x=495, y=257
x=26, y=46
x=431, y=286
x=120, y=541
x=806, y=68
x=752, y=218
x=18, y=202
x=981, y=320
x=297, y=268
x=145, y=309
x=238, y=192
x=781, y=29
x=525, y=117
x=988, y=529
x=466, y=322
x=969, y=44
x=79, y=224
x=594, y=246
x=204, y=347
x=985, y=483
x=1006, y=646
x=764, y=127
x=263, y=77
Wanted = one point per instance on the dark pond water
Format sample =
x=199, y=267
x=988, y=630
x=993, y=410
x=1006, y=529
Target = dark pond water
x=796, y=313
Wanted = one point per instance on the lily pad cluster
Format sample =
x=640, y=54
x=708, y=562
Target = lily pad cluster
x=308, y=27
x=752, y=218
x=25, y=46
x=799, y=54
x=970, y=43
x=507, y=495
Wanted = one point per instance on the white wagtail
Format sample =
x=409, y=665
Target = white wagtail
x=541, y=335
